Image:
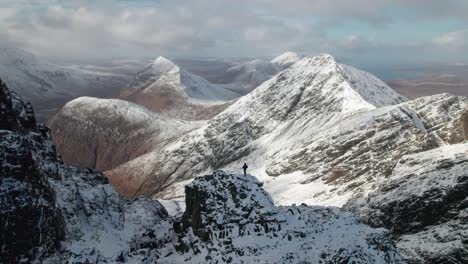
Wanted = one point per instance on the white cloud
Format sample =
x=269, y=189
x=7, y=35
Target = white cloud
x=85, y=28
x=455, y=39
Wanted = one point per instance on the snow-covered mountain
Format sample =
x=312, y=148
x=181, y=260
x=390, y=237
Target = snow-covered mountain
x=104, y=133
x=54, y=213
x=282, y=113
x=165, y=88
x=49, y=86
x=248, y=75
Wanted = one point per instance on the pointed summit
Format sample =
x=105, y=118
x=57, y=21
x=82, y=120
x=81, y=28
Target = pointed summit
x=163, y=64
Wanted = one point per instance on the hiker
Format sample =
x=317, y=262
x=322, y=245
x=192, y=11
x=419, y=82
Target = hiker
x=245, y=169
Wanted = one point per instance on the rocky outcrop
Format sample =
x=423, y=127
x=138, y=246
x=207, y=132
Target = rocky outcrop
x=464, y=124
x=32, y=226
x=230, y=218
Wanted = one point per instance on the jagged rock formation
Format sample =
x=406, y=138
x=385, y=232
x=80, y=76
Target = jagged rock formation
x=31, y=224
x=165, y=88
x=104, y=133
x=231, y=219
x=54, y=213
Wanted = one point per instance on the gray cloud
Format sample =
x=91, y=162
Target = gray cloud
x=95, y=29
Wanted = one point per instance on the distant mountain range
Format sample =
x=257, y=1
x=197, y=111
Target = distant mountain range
x=49, y=86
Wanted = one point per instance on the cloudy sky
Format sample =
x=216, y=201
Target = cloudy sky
x=365, y=31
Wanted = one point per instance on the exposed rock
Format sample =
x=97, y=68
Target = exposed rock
x=31, y=224
x=464, y=124
x=230, y=218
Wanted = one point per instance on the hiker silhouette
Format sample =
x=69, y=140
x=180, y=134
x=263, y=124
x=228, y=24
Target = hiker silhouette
x=245, y=169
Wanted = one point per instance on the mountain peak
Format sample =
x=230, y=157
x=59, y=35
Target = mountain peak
x=163, y=64
x=286, y=59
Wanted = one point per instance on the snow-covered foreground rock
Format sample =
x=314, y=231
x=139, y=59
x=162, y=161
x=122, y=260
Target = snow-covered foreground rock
x=54, y=213
x=231, y=219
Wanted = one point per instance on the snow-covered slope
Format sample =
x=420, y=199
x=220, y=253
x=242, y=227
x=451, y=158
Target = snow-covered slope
x=104, y=133
x=323, y=133
x=48, y=86
x=424, y=202
x=166, y=88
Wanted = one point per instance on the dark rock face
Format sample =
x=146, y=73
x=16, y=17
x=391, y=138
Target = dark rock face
x=464, y=124
x=203, y=205
x=32, y=226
